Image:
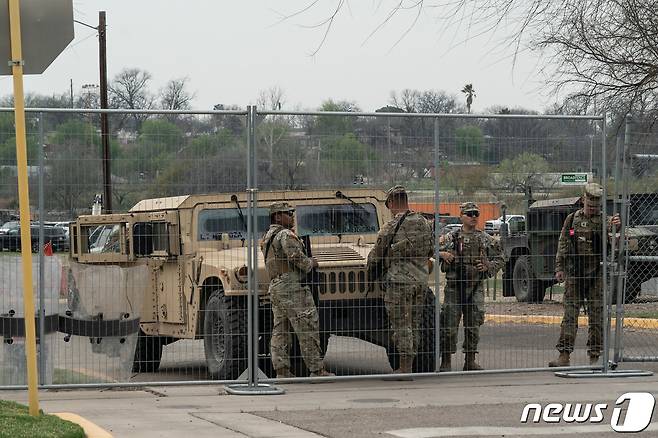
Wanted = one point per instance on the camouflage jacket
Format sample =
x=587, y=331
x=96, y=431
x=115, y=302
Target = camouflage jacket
x=580, y=246
x=408, y=251
x=286, y=253
x=470, y=249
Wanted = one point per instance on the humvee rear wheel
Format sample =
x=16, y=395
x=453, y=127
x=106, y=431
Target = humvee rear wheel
x=225, y=336
x=527, y=288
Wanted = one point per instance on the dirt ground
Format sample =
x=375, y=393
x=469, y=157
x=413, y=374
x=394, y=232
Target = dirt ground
x=643, y=308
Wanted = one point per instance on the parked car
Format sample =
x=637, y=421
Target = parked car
x=56, y=235
x=8, y=226
x=516, y=223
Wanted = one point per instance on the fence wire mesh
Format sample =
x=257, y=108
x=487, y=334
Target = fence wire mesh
x=157, y=290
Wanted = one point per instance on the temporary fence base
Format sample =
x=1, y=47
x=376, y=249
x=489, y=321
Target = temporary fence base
x=601, y=373
x=253, y=389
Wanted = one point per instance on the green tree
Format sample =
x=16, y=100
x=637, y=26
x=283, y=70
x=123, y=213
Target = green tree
x=343, y=159
x=469, y=141
x=521, y=173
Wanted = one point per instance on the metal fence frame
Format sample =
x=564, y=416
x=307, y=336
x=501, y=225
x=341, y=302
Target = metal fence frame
x=252, y=184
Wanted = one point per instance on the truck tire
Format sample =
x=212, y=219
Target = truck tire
x=527, y=288
x=426, y=355
x=148, y=353
x=225, y=336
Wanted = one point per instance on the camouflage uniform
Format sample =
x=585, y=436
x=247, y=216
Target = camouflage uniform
x=292, y=304
x=579, y=257
x=407, y=272
x=464, y=292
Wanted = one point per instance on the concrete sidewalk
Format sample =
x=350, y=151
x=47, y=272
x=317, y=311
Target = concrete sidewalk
x=448, y=405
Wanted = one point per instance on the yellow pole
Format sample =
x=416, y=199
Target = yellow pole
x=24, y=203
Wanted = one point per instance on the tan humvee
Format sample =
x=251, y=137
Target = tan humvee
x=195, y=248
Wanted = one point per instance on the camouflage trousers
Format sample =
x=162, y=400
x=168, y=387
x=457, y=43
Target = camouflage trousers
x=582, y=292
x=404, y=307
x=458, y=301
x=293, y=309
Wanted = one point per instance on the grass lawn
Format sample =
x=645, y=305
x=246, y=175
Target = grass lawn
x=15, y=421
x=650, y=314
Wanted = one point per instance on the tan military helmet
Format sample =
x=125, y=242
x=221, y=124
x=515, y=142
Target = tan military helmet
x=394, y=191
x=280, y=206
x=469, y=206
x=593, y=192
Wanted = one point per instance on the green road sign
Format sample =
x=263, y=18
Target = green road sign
x=573, y=178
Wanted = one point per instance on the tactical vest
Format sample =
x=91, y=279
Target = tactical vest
x=468, y=250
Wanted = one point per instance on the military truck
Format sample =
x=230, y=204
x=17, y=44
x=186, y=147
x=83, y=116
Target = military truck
x=530, y=256
x=195, y=248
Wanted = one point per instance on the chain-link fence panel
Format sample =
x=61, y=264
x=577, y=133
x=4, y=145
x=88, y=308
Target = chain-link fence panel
x=638, y=161
x=145, y=287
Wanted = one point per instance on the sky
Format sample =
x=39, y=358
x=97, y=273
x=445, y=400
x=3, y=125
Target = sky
x=230, y=51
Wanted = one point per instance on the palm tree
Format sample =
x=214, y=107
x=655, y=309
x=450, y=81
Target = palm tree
x=469, y=91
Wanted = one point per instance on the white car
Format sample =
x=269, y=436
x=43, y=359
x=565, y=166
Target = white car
x=513, y=220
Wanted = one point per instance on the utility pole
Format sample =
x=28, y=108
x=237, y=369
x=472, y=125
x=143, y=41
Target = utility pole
x=71, y=92
x=105, y=128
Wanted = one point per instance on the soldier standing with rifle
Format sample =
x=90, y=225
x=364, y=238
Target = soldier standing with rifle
x=292, y=303
x=401, y=255
x=578, y=263
x=468, y=257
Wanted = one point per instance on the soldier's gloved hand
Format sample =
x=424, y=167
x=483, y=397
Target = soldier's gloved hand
x=446, y=256
x=314, y=263
x=559, y=276
x=482, y=267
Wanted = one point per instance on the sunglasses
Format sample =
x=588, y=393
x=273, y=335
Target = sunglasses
x=472, y=213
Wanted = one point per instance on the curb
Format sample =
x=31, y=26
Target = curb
x=91, y=429
x=637, y=323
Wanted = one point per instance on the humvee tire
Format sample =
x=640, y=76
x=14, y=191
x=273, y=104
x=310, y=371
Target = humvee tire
x=148, y=353
x=225, y=335
x=527, y=288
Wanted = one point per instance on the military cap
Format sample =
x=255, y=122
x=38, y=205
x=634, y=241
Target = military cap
x=593, y=193
x=468, y=206
x=280, y=206
x=394, y=191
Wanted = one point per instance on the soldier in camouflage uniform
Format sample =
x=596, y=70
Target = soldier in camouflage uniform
x=405, y=257
x=292, y=304
x=579, y=257
x=468, y=256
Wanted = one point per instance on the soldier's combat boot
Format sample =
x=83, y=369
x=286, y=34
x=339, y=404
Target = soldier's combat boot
x=406, y=367
x=322, y=373
x=593, y=359
x=470, y=364
x=284, y=373
x=561, y=361
x=446, y=362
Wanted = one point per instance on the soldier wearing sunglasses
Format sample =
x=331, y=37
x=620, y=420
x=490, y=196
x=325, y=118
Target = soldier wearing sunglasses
x=468, y=256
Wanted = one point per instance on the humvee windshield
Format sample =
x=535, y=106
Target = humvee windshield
x=336, y=219
x=215, y=222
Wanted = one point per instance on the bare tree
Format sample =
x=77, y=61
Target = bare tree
x=272, y=98
x=408, y=100
x=129, y=90
x=175, y=96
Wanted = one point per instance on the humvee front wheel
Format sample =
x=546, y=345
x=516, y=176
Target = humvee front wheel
x=225, y=336
x=527, y=288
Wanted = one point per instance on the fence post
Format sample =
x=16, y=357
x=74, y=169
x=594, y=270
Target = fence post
x=622, y=263
x=437, y=259
x=42, y=297
x=252, y=387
